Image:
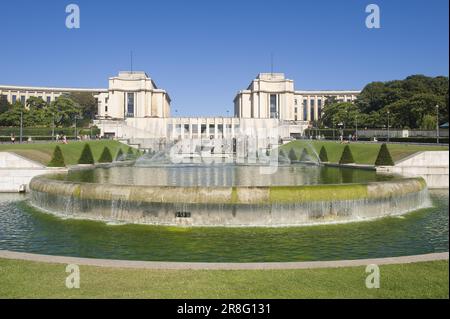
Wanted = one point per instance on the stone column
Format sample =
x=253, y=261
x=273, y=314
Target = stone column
x=316, y=108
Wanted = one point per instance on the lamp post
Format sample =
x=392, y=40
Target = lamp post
x=334, y=128
x=437, y=124
x=76, y=134
x=53, y=126
x=77, y=117
x=356, y=124
x=21, y=127
x=388, y=130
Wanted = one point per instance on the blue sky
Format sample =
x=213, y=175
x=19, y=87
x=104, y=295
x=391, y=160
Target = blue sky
x=203, y=52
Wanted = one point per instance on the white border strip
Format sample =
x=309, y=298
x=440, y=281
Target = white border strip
x=220, y=266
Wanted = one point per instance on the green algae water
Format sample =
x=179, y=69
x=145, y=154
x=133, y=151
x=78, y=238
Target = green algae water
x=26, y=229
x=223, y=175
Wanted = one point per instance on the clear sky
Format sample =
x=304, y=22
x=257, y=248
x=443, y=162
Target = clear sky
x=203, y=52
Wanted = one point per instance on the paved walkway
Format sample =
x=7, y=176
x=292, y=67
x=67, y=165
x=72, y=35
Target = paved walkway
x=222, y=266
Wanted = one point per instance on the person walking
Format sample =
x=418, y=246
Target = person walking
x=13, y=138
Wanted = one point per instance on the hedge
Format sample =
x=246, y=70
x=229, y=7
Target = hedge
x=46, y=131
x=86, y=155
x=106, y=156
x=347, y=156
x=323, y=155
x=57, y=159
x=384, y=158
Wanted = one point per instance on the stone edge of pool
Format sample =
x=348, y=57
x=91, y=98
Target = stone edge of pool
x=228, y=195
x=112, y=263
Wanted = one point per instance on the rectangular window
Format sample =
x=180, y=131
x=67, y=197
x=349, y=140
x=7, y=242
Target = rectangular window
x=178, y=130
x=211, y=130
x=14, y=99
x=312, y=110
x=130, y=104
x=295, y=102
x=195, y=129
x=305, y=110
x=273, y=106
x=106, y=108
x=49, y=99
x=295, y=110
x=22, y=99
x=319, y=104
x=228, y=128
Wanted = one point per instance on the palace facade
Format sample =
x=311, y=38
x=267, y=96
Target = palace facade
x=134, y=109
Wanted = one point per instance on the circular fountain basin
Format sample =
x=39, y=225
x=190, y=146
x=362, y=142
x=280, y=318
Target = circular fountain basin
x=170, y=195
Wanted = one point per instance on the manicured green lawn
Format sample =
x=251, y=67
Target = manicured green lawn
x=363, y=153
x=42, y=152
x=24, y=279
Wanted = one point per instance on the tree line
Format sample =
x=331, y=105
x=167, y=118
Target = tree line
x=409, y=103
x=61, y=112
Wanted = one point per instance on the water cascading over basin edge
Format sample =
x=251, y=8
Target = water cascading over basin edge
x=229, y=205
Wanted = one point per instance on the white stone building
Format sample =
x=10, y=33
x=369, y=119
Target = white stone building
x=271, y=95
x=12, y=93
x=134, y=109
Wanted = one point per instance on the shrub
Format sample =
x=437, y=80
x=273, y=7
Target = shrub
x=57, y=159
x=323, y=155
x=119, y=156
x=106, y=156
x=281, y=154
x=384, y=158
x=86, y=155
x=304, y=156
x=347, y=156
x=292, y=156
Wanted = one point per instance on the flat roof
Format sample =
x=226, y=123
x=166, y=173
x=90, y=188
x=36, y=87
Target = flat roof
x=43, y=88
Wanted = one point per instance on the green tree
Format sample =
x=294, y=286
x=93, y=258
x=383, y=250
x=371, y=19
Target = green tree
x=57, y=159
x=106, y=156
x=65, y=109
x=345, y=113
x=86, y=155
x=36, y=103
x=4, y=104
x=384, y=158
x=408, y=100
x=428, y=122
x=87, y=104
x=12, y=116
x=347, y=156
x=323, y=155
